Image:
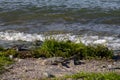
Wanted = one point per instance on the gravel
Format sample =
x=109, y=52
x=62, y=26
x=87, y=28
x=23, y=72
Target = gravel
x=31, y=69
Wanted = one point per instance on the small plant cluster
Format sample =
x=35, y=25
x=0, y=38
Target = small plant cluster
x=91, y=76
x=54, y=48
x=4, y=58
x=66, y=49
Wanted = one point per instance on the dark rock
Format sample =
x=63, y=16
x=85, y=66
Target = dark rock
x=20, y=48
x=77, y=62
x=65, y=64
x=118, y=36
x=116, y=57
x=38, y=43
x=103, y=66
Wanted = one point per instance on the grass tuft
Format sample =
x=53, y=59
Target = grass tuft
x=4, y=61
x=4, y=58
x=89, y=76
x=95, y=76
x=54, y=48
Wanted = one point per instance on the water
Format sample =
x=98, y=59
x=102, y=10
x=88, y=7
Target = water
x=89, y=21
x=104, y=4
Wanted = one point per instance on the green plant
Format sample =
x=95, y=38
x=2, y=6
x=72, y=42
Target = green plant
x=54, y=48
x=95, y=76
x=4, y=61
x=2, y=49
x=8, y=52
x=89, y=76
x=4, y=58
x=97, y=51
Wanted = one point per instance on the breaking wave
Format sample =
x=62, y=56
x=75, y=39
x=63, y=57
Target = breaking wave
x=111, y=42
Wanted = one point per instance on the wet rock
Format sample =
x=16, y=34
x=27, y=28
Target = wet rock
x=23, y=46
x=118, y=36
x=20, y=47
x=38, y=43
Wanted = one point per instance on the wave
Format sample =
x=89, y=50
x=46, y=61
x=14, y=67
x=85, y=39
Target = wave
x=103, y=4
x=111, y=42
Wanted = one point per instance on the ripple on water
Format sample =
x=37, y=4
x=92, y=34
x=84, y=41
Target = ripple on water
x=104, y=4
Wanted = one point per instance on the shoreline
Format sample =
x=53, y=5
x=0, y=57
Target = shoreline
x=37, y=68
x=73, y=58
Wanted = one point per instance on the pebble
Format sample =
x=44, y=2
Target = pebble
x=33, y=68
x=11, y=56
x=48, y=75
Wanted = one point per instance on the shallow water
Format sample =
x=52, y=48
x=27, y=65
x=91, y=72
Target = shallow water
x=92, y=21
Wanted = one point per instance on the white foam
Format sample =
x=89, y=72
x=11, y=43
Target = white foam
x=19, y=36
x=101, y=41
x=111, y=42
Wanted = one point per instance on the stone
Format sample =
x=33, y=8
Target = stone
x=38, y=43
x=77, y=62
x=52, y=61
x=71, y=63
x=18, y=60
x=47, y=75
x=109, y=66
x=69, y=79
x=11, y=56
x=32, y=69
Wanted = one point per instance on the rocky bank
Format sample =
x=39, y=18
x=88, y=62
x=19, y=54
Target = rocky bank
x=32, y=69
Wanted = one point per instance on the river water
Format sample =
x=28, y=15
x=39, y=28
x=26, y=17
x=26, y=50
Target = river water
x=89, y=21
